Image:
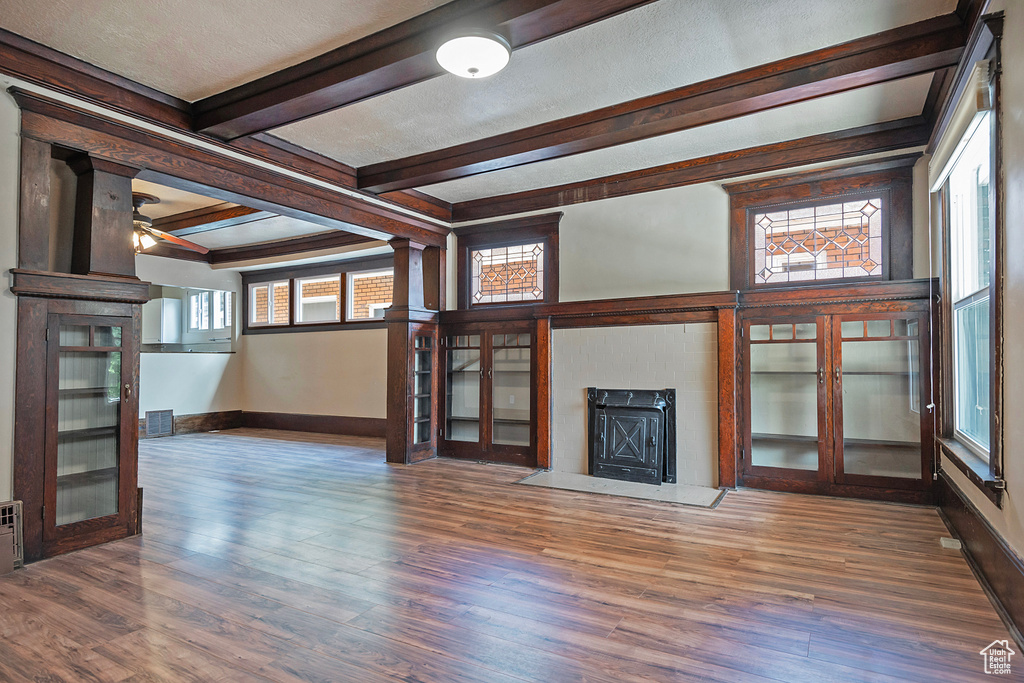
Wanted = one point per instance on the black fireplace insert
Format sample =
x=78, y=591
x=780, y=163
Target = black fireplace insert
x=632, y=434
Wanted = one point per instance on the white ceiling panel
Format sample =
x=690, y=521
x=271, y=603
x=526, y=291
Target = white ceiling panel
x=172, y=201
x=861, y=107
x=257, y=232
x=654, y=48
x=195, y=49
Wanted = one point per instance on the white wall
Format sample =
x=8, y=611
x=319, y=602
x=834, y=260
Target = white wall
x=317, y=373
x=190, y=383
x=680, y=357
x=1009, y=521
x=10, y=144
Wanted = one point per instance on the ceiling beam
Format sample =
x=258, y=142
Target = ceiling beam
x=387, y=60
x=910, y=50
x=286, y=247
x=881, y=137
x=208, y=218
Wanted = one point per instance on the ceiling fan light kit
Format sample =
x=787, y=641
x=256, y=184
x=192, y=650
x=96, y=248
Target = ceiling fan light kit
x=145, y=235
x=474, y=54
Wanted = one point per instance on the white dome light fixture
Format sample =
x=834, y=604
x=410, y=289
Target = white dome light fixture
x=474, y=54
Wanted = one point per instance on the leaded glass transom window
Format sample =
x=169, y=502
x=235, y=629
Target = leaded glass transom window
x=503, y=274
x=835, y=241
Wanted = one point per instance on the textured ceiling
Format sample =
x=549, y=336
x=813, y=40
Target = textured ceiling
x=654, y=48
x=257, y=232
x=195, y=49
x=861, y=107
x=172, y=201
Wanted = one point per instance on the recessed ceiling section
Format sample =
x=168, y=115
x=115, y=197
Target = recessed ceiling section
x=192, y=50
x=874, y=104
x=651, y=49
x=257, y=232
x=172, y=201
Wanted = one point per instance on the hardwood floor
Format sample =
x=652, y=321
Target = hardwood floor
x=277, y=556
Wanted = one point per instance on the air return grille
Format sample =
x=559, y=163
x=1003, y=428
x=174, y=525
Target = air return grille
x=159, y=423
x=10, y=519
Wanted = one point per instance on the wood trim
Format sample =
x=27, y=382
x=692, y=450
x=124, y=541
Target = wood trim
x=542, y=228
x=918, y=48
x=317, y=424
x=171, y=162
x=36, y=63
x=30, y=422
x=34, y=206
x=891, y=178
x=67, y=286
x=974, y=468
x=998, y=567
x=883, y=137
x=395, y=57
x=906, y=496
x=544, y=369
x=296, y=245
x=208, y=218
x=278, y=150
x=422, y=202
x=844, y=293
x=728, y=398
x=196, y=423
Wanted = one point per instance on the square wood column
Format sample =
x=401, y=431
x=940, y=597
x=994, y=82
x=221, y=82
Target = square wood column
x=409, y=321
x=103, y=218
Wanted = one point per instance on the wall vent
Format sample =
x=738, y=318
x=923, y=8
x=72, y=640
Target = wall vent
x=10, y=518
x=159, y=423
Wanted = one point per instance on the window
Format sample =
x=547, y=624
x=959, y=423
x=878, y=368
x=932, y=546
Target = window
x=221, y=310
x=209, y=310
x=319, y=296
x=269, y=303
x=968, y=193
x=319, y=299
x=370, y=293
x=199, y=311
x=509, y=262
x=858, y=226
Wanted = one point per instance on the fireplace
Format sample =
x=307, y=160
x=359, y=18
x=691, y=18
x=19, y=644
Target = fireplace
x=632, y=434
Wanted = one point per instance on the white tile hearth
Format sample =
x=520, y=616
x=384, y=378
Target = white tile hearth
x=682, y=494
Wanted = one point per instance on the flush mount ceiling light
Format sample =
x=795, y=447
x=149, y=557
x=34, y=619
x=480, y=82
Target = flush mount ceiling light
x=474, y=54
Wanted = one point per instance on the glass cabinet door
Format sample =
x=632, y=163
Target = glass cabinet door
x=879, y=385
x=462, y=417
x=510, y=389
x=86, y=430
x=785, y=377
x=422, y=373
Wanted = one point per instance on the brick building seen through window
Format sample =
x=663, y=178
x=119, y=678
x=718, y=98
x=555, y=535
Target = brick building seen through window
x=321, y=299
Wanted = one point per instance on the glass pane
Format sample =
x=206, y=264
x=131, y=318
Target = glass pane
x=784, y=405
x=74, y=335
x=969, y=216
x=511, y=395
x=881, y=408
x=806, y=330
x=88, y=415
x=972, y=371
x=422, y=368
x=259, y=306
x=782, y=332
x=319, y=299
x=463, y=395
x=280, y=305
x=369, y=293
x=106, y=336
x=841, y=240
x=760, y=332
x=904, y=328
x=474, y=340
x=879, y=328
x=514, y=273
x=852, y=329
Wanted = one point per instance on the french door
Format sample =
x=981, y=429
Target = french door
x=837, y=403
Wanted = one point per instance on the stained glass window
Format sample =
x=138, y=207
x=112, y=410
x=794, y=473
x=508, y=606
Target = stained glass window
x=829, y=242
x=503, y=274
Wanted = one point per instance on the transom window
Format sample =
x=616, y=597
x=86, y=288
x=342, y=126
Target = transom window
x=209, y=310
x=825, y=242
x=370, y=293
x=502, y=274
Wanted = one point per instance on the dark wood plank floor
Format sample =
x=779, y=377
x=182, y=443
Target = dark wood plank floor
x=275, y=556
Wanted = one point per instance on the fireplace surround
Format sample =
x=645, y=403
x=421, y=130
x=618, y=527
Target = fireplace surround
x=632, y=434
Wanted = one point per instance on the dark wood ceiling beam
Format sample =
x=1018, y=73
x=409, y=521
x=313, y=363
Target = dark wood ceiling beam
x=286, y=247
x=883, y=137
x=171, y=162
x=208, y=218
x=387, y=60
x=919, y=48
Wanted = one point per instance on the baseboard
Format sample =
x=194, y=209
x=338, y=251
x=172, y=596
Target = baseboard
x=999, y=568
x=319, y=424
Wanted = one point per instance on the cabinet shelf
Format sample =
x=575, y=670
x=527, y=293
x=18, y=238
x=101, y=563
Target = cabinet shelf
x=89, y=431
x=511, y=421
x=83, y=391
x=87, y=477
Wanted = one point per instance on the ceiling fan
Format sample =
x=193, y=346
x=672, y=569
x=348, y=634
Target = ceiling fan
x=145, y=235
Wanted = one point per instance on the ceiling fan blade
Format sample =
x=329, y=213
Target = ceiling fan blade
x=177, y=240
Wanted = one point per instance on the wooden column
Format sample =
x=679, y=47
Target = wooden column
x=728, y=397
x=544, y=392
x=408, y=318
x=103, y=218
x=34, y=206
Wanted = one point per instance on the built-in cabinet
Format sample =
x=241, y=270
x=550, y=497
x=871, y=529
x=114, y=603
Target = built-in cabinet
x=490, y=392
x=836, y=403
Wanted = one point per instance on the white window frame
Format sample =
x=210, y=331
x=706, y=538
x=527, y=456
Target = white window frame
x=350, y=292
x=271, y=286
x=300, y=300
